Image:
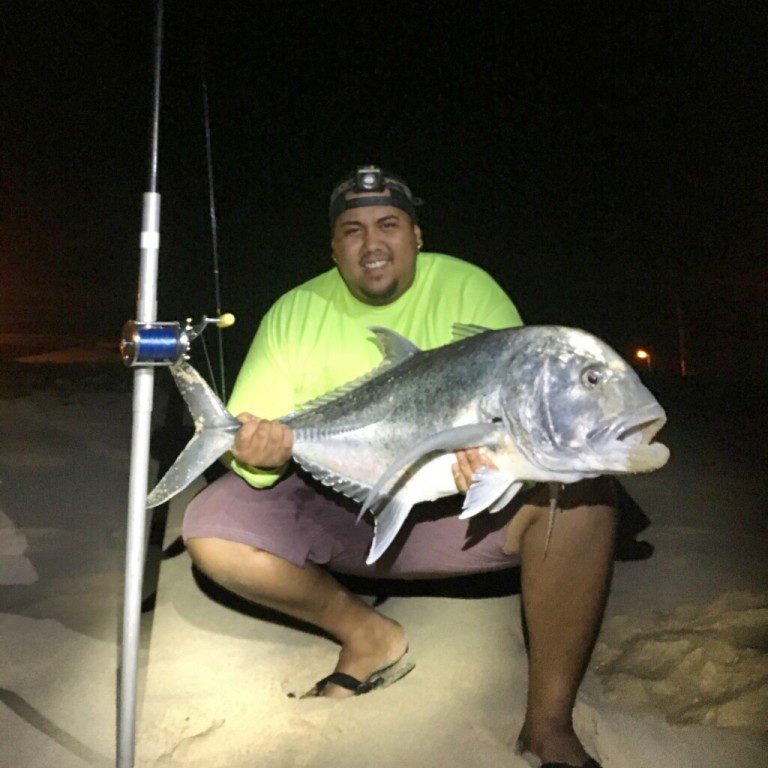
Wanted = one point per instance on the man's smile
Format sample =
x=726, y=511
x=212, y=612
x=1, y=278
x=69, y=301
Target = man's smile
x=371, y=264
x=375, y=264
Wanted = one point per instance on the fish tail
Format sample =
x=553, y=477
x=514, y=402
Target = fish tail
x=215, y=429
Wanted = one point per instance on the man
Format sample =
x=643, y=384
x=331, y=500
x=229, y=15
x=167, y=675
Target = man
x=268, y=541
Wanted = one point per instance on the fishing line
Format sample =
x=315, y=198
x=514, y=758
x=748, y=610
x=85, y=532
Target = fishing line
x=157, y=344
x=214, y=239
x=208, y=360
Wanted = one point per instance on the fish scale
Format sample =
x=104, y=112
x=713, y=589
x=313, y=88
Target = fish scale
x=375, y=423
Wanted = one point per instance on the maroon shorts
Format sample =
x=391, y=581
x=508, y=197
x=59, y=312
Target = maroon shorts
x=299, y=520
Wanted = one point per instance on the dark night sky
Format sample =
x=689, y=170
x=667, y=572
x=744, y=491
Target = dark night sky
x=599, y=163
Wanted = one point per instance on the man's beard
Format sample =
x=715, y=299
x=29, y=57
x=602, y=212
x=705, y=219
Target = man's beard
x=382, y=296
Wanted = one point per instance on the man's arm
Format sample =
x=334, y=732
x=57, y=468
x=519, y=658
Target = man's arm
x=263, y=386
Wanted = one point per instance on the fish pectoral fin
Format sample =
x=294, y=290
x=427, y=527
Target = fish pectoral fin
x=491, y=490
x=452, y=439
x=201, y=451
x=387, y=523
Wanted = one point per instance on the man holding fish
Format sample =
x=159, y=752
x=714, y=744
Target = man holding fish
x=272, y=536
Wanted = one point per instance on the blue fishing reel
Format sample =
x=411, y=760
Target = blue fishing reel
x=163, y=343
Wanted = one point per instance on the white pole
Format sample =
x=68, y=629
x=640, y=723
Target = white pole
x=143, y=384
x=135, y=546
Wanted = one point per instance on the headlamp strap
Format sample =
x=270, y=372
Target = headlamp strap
x=396, y=199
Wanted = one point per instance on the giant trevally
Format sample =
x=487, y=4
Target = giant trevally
x=548, y=403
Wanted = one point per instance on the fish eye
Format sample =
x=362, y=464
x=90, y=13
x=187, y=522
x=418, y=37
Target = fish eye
x=591, y=377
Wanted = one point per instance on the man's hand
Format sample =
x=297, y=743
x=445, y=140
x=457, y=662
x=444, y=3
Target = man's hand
x=468, y=461
x=262, y=443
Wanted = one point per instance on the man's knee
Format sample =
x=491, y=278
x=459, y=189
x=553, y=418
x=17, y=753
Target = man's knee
x=218, y=558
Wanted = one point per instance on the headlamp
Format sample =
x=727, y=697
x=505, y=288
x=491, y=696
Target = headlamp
x=370, y=178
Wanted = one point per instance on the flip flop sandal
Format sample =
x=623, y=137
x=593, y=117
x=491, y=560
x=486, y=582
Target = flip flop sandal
x=381, y=678
x=535, y=762
x=591, y=763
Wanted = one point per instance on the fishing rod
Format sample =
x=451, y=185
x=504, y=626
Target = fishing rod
x=214, y=238
x=145, y=345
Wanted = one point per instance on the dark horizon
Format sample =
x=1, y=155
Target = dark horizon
x=608, y=169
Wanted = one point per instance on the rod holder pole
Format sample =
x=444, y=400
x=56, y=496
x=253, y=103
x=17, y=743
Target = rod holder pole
x=136, y=544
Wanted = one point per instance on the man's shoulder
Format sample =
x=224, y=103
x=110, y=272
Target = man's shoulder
x=441, y=267
x=455, y=290
x=445, y=260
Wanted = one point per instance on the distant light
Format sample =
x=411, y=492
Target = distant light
x=644, y=356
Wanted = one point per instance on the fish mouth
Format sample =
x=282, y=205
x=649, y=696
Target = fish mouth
x=628, y=440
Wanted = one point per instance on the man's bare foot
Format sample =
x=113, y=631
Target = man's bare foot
x=379, y=642
x=553, y=744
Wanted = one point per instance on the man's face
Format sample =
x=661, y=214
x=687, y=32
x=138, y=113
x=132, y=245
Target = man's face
x=375, y=250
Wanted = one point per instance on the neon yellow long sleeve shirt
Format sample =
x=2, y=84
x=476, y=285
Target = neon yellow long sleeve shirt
x=315, y=337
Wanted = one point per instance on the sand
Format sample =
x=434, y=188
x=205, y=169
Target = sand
x=697, y=664
x=678, y=678
x=102, y=353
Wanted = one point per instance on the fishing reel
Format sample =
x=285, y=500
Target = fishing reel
x=163, y=343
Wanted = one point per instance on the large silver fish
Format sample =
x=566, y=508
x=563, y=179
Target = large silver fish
x=550, y=404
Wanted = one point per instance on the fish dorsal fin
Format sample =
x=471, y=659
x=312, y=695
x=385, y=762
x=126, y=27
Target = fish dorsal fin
x=461, y=331
x=394, y=349
x=334, y=394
